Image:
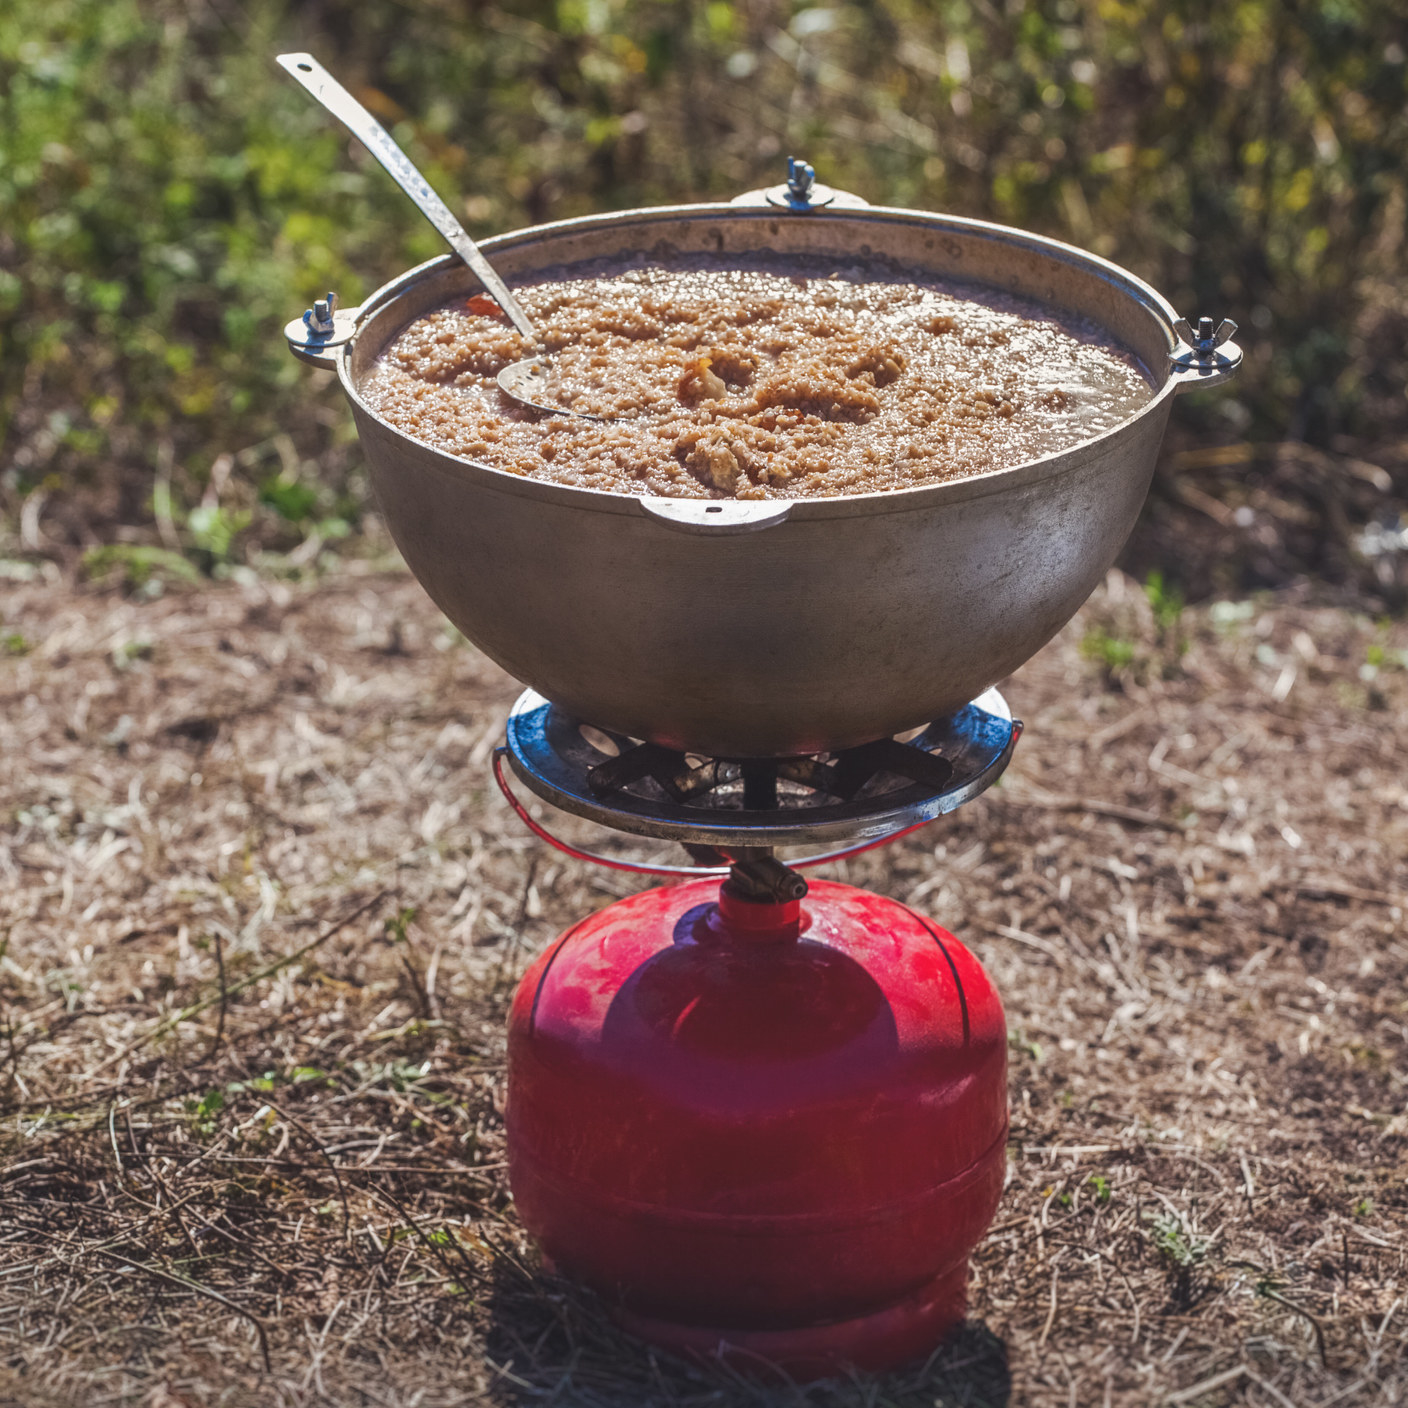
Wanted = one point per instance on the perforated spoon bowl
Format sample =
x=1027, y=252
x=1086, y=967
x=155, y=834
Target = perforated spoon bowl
x=529, y=381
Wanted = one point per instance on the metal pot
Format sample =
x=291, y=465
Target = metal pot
x=774, y=627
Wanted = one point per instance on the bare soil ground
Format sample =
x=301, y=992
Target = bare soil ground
x=261, y=913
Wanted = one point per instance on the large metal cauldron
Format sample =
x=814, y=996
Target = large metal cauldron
x=769, y=628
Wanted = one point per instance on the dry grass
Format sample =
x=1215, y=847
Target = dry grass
x=261, y=914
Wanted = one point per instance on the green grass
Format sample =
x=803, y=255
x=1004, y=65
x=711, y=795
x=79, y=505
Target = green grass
x=168, y=198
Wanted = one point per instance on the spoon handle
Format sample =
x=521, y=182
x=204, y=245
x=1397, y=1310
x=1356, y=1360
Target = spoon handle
x=343, y=106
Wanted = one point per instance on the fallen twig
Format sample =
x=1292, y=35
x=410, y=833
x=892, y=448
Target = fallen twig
x=177, y=1279
x=225, y=993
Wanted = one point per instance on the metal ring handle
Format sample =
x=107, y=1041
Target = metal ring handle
x=677, y=871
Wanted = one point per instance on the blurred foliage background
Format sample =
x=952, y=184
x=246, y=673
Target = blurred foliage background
x=168, y=199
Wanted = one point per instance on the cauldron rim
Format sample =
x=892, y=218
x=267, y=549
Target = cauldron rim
x=972, y=486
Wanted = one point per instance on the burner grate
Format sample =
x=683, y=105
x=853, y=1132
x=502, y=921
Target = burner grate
x=650, y=790
x=764, y=784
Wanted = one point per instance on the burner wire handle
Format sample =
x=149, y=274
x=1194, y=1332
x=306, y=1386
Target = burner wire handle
x=678, y=871
x=543, y=834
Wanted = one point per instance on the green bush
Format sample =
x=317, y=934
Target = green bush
x=168, y=198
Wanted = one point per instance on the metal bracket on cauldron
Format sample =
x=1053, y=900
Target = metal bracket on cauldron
x=1205, y=356
x=716, y=517
x=324, y=327
x=801, y=192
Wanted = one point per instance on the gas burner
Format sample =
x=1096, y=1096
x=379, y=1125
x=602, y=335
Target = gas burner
x=857, y=794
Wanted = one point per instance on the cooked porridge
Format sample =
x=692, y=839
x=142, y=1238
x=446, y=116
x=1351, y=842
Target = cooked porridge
x=750, y=383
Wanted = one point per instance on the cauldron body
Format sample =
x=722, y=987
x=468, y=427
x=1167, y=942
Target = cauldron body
x=770, y=628
x=770, y=1130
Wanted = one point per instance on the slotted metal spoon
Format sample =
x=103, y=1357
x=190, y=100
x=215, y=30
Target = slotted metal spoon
x=530, y=381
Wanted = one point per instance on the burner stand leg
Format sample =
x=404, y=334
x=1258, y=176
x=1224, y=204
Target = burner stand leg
x=759, y=786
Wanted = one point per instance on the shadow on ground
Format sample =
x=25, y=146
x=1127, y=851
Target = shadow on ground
x=550, y=1338
x=1228, y=520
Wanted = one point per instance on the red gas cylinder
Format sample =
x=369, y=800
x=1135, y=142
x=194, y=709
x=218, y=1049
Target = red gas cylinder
x=771, y=1130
